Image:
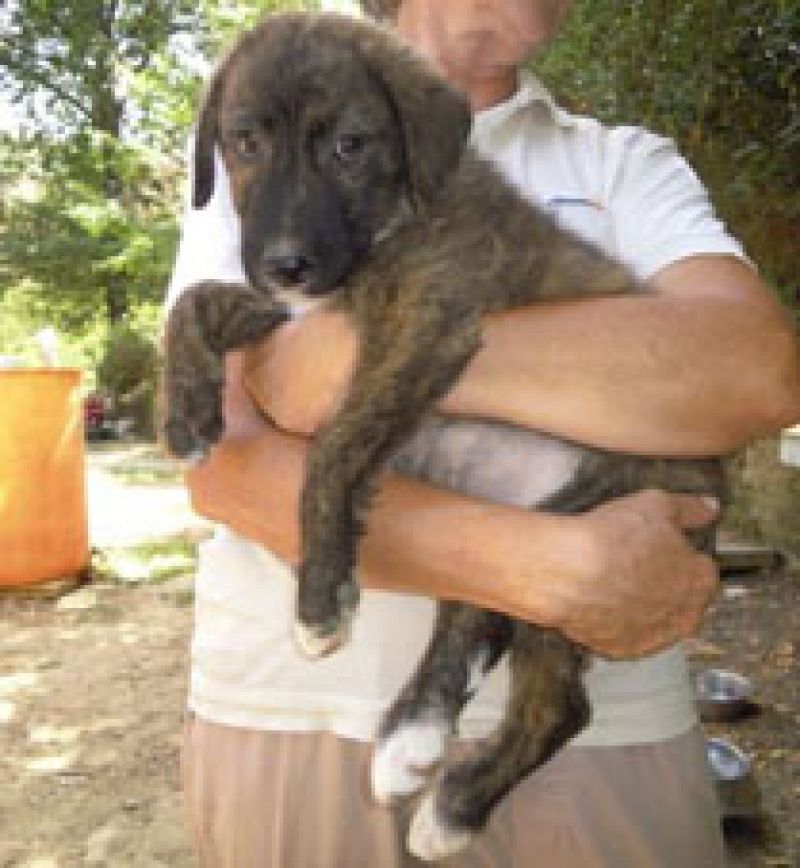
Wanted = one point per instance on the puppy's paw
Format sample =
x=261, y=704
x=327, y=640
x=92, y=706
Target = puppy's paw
x=431, y=838
x=320, y=640
x=186, y=444
x=320, y=630
x=194, y=420
x=403, y=758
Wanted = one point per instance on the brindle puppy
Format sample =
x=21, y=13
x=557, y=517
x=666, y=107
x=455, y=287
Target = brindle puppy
x=351, y=174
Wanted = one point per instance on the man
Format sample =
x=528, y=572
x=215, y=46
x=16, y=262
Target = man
x=276, y=745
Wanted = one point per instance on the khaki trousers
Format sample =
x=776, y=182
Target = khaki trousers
x=260, y=799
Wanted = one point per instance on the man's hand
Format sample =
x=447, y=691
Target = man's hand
x=299, y=374
x=643, y=586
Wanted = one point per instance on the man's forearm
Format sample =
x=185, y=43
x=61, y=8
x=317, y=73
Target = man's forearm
x=698, y=373
x=418, y=539
x=703, y=364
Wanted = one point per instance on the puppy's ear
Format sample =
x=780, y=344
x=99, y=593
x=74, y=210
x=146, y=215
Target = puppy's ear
x=434, y=117
x=205, y=139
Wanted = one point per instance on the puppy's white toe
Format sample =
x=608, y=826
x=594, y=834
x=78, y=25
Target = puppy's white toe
x=400, y=761
x=429, y=838
x=315, y=644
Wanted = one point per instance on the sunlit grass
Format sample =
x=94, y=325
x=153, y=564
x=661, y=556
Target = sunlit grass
x=138, y=464
x=152, y=561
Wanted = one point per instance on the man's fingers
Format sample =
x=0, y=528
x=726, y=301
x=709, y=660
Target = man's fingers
x=707, y=585
x=709, y=571
x=691, y=511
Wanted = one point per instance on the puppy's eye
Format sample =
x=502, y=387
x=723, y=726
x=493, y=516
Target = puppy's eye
x=245, y=143
x=349, y=146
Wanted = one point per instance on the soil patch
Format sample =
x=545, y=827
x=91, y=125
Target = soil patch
x=91, y=703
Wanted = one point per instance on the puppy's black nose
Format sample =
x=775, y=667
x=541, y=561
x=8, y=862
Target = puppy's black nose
x=288, y=268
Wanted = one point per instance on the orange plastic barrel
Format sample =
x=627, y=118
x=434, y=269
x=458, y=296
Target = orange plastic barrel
x=43, y=520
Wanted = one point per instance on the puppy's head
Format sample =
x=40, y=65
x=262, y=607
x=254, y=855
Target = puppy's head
x=329, y=129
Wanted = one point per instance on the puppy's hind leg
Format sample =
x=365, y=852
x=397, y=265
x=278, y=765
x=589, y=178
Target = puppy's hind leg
x=547, y=706
x=466, y=643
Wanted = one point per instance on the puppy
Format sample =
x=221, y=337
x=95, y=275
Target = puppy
x=356, y=188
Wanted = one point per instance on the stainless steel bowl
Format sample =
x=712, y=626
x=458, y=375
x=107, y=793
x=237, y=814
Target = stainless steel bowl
x=722, y=695
x=732, y=771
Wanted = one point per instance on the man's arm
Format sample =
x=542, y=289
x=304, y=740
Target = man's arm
x=620, y=579
x=702, y=365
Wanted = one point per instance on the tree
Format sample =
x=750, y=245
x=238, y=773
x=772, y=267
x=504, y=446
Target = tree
x=69, y=60
x=92, y=181
x=67, y=64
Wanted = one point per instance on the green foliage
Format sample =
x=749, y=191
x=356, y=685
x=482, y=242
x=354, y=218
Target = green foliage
x=67, y=60
x=723, y=79
x=91, y=182
x=81, y=248
x=150, y=562
x=89, y=208
x=128, y=374
x=23, y=313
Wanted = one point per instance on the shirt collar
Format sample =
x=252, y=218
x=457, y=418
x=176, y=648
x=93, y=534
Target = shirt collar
x=530, y=92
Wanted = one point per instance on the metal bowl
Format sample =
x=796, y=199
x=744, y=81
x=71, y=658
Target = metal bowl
x=722, y=695
x=731, y=769
x=727, y=761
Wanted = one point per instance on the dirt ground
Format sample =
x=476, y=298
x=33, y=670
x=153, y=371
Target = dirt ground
x=91, y=703
x=92, y=687
x=754, y=629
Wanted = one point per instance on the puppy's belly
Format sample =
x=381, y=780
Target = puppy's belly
x=490, y=460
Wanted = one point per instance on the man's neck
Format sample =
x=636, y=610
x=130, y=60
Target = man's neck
x=484, y=88
x=485, y=93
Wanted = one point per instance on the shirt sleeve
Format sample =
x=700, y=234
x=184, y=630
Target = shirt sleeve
x=209, y=246
x=661, y=210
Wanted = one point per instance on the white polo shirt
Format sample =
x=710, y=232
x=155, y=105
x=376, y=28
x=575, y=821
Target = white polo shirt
x=633, y=195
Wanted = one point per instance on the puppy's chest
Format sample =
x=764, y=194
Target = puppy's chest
x=297, y=304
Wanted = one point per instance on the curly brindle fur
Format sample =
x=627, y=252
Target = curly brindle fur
x=349, y=168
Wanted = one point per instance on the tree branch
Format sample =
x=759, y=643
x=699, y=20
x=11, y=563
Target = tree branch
x=22, y=71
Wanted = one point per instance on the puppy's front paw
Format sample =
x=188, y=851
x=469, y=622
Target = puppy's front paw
x=320, y=640
x=403, y=758
x=431, y=837
x=194, y=420
x=324, y=622
x=184, y=443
